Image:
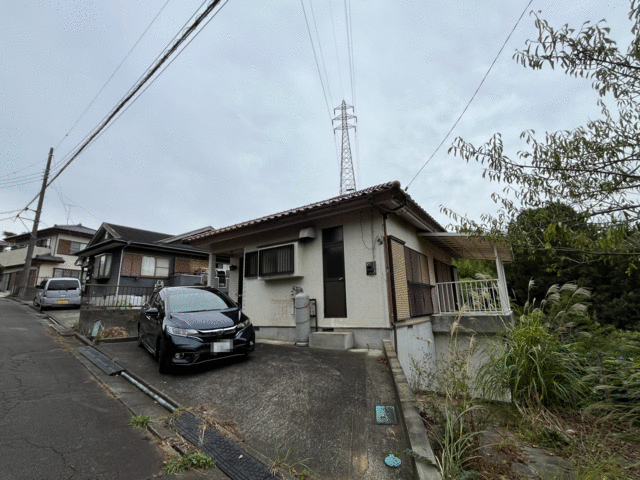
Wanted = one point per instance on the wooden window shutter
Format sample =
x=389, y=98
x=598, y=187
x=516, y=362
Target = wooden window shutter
x=131, y=265
x=401, y=288
x=182, y=266
x=64, y=247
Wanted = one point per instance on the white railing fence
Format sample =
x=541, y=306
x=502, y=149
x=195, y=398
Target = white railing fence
x=471, y=297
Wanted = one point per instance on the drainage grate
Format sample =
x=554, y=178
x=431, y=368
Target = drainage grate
x=386, y=415
x=100, y=360
x=233, y=461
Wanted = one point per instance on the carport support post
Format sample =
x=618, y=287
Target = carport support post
x=24, y=281
x=212, y=269
x=502, y=284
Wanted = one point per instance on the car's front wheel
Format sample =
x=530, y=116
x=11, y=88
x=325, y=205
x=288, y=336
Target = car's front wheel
x=164, y=360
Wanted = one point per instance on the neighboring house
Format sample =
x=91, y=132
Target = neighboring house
x=123, y=261
x=53, y=256
x=377, y=266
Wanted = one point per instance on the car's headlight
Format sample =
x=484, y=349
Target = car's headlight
x=243, y=325
x=181, y=331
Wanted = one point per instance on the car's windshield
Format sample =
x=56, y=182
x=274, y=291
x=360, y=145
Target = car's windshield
x=192, y=300
x=63, y=285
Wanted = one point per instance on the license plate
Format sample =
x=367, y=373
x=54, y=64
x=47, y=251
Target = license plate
x=63, y=302
x=222, y=346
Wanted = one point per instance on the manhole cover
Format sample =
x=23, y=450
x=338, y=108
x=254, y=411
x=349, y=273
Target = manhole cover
x=386, y=415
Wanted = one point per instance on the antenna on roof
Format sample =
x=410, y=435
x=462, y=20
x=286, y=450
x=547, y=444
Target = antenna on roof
x=347, y=177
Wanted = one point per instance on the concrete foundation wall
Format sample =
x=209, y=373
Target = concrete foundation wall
x=446, y=348
x=371, y=338
x=416, y=350
x=463, y=345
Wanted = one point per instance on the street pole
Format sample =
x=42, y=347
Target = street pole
x=24, y=281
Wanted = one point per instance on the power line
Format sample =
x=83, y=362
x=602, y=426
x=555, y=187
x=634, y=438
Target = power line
x=182, y=29
x=315, y=56
x=472, y=97
x=112, y=75
x=347, y=21
x=134, y=90
x=335, y=43
x=324, y=66
x=157, y=76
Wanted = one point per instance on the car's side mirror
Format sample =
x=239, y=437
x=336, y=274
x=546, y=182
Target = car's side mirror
x=152, y=312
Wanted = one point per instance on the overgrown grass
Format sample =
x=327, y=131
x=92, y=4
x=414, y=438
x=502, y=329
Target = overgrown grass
x=535, y=367
x=186, y=462
x=556, y=362
x=458, y=419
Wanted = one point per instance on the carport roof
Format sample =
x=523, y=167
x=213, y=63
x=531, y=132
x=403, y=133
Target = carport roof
x=461, y=245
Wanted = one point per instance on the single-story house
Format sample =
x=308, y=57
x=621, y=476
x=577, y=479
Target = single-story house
x=124, y=264
x=54, y=255
x=376, y=267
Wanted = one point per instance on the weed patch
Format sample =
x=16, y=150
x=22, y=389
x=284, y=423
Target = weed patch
x=140, y=421
x=286, y=463
x=186, y=462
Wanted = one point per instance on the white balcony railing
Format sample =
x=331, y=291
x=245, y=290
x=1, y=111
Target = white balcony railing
x=472, y=297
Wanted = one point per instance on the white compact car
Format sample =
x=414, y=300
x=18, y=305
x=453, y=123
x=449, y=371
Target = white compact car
x=58, y=292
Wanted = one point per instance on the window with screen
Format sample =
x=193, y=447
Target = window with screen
x=276, y=261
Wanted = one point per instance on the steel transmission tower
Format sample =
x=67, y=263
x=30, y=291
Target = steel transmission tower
x=347, y=177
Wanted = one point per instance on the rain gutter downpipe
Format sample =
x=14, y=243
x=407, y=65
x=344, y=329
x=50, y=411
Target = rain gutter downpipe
x=387, y=259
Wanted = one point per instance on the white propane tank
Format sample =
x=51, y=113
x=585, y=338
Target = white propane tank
x=303, y=319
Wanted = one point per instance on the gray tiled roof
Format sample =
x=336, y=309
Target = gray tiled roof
x=136, y=234
x=44, y=232
x=47, y=257
x=76, y=228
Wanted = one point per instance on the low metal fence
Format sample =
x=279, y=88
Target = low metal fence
x=116, y=297
x=470, y=297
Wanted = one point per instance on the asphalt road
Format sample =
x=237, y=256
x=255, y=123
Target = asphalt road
x=56, y=421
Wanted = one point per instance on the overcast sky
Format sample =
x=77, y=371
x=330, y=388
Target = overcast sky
x=237, y=127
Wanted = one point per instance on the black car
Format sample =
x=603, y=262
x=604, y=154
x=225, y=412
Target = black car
x=190, y=325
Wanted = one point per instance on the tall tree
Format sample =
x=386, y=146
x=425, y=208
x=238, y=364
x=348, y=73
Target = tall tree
x=593, y=169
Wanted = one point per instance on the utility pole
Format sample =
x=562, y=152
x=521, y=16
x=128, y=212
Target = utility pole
x=24, y=281
x=347, y=177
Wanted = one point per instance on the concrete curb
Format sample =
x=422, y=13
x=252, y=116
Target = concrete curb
x=410, y=414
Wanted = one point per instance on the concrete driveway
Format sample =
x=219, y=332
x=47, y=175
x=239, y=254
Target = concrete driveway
x=315, y=404
x=65, y=316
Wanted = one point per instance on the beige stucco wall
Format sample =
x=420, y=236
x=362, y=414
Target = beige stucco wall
x=17, y=257
x=269, y=302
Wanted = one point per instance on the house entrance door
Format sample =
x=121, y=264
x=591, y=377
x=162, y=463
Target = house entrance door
x=335, y=298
